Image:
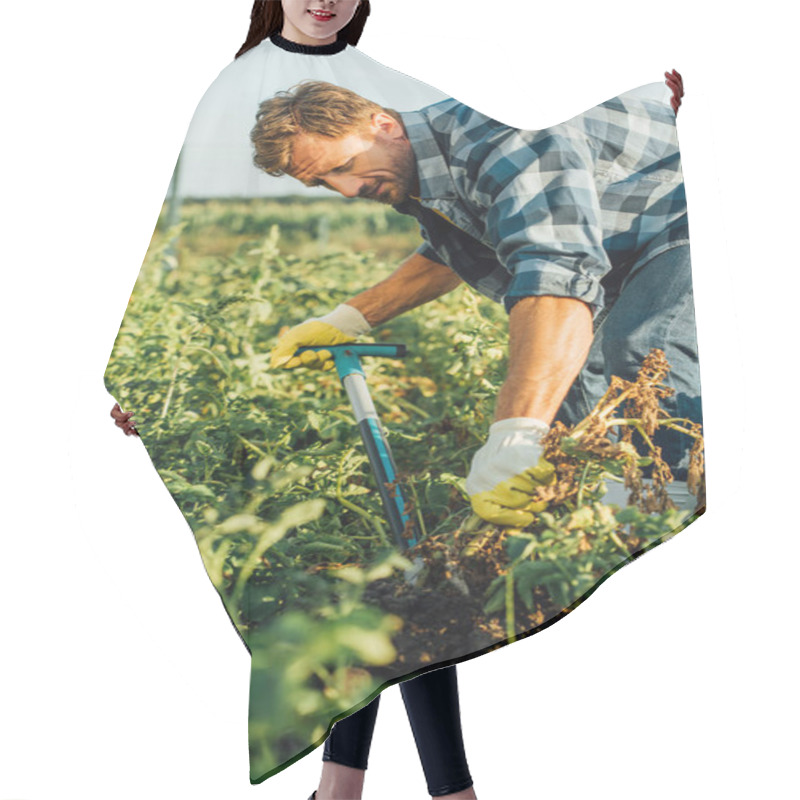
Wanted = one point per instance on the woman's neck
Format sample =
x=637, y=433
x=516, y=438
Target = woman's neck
x=293, y=46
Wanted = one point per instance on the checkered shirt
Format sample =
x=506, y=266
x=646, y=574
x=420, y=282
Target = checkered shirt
x=564, y=211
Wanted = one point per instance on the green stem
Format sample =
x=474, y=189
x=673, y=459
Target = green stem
x=618, y=542
x=579, y=498
x=639, y=427
x=249, y=444
x=473, y=299
x=379, y=528
x=171, y=389
x=174, y=379
x=418, y=510
x=560, y=567
x=510, y=627
x=663, y=423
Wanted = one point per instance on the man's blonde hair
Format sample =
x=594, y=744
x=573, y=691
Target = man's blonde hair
x=314, y=107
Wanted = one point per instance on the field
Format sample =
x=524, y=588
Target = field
x=269, y=470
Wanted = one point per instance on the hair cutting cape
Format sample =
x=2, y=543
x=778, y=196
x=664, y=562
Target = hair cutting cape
x=329, y=506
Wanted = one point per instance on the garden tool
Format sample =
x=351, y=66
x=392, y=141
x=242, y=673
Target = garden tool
x=346, y=358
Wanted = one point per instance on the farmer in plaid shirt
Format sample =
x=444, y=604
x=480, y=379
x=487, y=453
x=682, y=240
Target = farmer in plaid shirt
x=579, y=229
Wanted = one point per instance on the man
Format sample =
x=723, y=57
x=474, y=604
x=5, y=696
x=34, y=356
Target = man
x=579, y=230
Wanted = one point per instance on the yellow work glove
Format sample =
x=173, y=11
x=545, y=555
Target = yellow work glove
x=341, y=325
x=507, y=470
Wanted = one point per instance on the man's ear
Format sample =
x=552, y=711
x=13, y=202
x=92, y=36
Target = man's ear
x=385, y=122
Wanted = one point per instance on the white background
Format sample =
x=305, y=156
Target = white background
x=120, y=674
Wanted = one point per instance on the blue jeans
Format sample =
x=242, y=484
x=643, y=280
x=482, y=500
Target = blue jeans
x=433, y=710
x=654, y=308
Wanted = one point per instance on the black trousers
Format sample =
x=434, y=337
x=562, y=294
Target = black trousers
x=433, y=710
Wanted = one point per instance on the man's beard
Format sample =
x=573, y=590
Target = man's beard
x=402, y=165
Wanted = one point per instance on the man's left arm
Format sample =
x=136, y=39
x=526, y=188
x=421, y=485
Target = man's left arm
x=549, y=340
x=543, y=217
x=544, y=220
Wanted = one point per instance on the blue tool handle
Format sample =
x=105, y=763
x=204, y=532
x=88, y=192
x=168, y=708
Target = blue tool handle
x=387, y=350
x=346, y=359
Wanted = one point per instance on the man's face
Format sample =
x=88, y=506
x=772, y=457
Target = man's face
x=377, y=164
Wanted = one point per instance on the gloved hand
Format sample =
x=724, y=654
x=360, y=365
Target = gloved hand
x=341, y=325
x=507, y=470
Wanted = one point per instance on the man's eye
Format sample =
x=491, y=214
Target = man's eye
x=344, y=167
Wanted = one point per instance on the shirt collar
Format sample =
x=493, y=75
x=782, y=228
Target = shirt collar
x=309, y=49
x=433, y=171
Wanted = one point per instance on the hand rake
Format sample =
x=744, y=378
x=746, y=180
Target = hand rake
x=348, y=365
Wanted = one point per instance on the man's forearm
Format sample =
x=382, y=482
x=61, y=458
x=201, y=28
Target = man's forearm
x=549, y=340
x=416, y=281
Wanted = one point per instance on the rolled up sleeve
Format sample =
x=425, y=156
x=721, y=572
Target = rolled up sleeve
x=426, y=250
x=543, y=217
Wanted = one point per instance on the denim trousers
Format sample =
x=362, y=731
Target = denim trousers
x=654, y=308
x=431, y=701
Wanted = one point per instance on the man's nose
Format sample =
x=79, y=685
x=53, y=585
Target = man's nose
x=347, y=185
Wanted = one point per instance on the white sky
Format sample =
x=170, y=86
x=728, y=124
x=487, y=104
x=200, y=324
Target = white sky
x=216, y=158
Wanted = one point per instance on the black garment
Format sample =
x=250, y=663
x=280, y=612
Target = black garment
x=310, y=49
x=433, y=711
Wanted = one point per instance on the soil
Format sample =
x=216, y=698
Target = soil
x=442, y=613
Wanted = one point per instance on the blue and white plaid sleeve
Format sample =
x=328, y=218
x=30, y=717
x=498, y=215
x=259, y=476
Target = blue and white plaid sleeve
x=543, y=215
x=426, y=250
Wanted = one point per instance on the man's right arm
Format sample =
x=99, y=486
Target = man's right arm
x=416, y=281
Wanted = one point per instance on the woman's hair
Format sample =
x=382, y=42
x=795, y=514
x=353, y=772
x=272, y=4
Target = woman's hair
x=266, y=18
